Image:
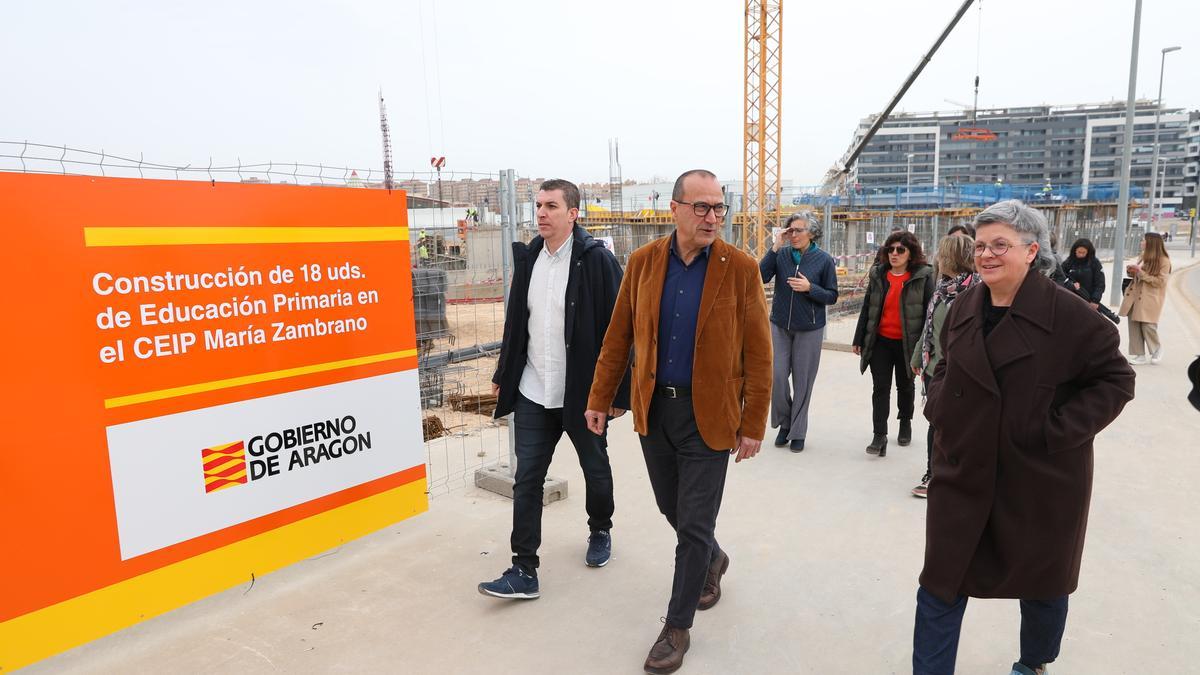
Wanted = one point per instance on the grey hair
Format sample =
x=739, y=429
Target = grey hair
x=1028, y=222
x=815, y=230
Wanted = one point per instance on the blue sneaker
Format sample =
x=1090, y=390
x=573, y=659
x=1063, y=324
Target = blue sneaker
x=1019, y=668
x=599, y=549
x=514, y=584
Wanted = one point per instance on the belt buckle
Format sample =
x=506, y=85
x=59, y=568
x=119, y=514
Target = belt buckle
x=672, y=392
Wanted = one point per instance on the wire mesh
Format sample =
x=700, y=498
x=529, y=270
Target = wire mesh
x=459, y=277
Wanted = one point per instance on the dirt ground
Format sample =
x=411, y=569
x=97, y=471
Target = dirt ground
x=473, y=323
x=470, y=324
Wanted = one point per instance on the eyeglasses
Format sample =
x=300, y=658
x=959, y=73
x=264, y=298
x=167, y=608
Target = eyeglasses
x=998, y=248
x=897, y=249
x=793, y=231
x=701, y=209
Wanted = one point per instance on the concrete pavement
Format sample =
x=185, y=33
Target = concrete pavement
x=826, y=546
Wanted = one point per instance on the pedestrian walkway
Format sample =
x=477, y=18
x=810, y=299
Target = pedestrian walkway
x=826, y=546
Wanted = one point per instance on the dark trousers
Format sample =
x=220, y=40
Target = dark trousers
x=688, y=478
x=888, y=358
x=935, y=637
x=538, y=430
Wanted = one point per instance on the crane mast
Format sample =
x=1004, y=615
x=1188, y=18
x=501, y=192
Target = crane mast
x=761, y=131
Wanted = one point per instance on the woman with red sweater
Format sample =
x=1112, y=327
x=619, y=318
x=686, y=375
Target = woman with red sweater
x=889, y=327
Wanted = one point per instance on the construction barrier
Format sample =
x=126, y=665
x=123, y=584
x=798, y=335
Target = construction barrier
x=204, y=382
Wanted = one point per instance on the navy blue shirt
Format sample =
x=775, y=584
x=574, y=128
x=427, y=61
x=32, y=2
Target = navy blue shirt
x=677, y=317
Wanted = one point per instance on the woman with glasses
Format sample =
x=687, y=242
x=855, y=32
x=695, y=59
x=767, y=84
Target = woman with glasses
x=889, y=327
x=1029, y=375
x=1144, y=299
x=805, y=284
x=956, y=270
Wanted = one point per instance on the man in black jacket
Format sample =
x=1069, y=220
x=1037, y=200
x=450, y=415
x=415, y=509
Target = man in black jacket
x=564, y=286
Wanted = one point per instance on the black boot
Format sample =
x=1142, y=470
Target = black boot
x=905, y=435
x=878, y=445
x=782, y=439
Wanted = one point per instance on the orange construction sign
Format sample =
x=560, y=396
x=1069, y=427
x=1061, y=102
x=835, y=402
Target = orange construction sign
x=973, y=134
x=204, y=382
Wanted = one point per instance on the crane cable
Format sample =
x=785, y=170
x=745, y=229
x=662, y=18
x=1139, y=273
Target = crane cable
x=425, y=75
x=978, y=51
x=437, y=80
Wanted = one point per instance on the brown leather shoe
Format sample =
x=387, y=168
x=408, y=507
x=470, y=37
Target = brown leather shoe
x=712, y=584
x=666, y=656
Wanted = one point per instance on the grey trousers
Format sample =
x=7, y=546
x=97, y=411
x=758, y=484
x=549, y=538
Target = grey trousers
x=798, y=355
x=1143, y=336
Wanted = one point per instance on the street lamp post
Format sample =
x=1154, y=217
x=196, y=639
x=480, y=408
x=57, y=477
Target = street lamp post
x=1162, y=181
x=1157, y=112
x=1195, y=216
x=1126, y=153
x=1195, y=201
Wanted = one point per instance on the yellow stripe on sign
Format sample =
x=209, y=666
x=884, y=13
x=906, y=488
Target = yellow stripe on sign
x=227, y=485
x=192, y=236
x=45, y=632
x=134, y=399
x=227, y=465
x=209, y=480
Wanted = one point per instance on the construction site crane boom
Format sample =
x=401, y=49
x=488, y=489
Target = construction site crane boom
x=836, y=176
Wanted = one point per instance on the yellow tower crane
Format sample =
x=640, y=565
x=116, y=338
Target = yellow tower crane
x=764, y=111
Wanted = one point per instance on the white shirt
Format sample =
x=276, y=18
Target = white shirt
x=544, y=380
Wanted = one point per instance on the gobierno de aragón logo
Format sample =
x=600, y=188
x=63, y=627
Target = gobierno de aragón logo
x=282, y=451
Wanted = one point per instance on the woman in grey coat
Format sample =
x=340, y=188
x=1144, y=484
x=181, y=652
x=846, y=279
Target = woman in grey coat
x=805, y=284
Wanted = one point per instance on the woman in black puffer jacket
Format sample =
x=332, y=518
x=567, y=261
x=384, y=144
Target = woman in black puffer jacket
x=1085, y=271
x=889, y=327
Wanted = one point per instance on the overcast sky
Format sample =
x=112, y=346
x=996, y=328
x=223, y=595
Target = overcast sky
x=540, y=86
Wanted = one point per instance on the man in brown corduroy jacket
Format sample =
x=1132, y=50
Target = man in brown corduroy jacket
x=692, y=315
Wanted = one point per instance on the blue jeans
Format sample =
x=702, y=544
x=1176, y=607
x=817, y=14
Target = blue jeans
x=537, y=432
x=935, y=637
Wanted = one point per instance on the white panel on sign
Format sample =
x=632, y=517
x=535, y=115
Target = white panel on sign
x=870, y=237
x=297, y=447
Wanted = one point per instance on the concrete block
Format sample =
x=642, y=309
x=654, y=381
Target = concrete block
x=498, y=478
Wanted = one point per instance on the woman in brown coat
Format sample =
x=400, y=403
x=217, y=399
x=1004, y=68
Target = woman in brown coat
x=1144, y=298
x=1030, y=374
